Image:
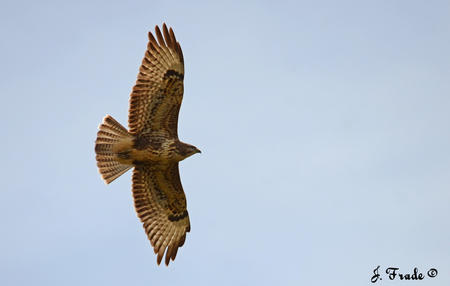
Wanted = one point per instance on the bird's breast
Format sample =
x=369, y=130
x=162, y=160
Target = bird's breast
x=152, y=148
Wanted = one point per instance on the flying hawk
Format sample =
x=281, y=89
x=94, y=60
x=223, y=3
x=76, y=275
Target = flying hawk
x=151, y=145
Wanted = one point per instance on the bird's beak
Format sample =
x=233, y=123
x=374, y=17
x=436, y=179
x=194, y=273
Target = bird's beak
x=198, y=151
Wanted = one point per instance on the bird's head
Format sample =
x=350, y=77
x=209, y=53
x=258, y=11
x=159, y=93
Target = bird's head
x=191, y=150
x=187, y=150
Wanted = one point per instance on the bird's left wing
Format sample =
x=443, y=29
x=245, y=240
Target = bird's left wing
x=156, y=98
x=161, y=206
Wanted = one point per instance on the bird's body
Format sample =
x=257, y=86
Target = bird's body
x=151, y=145
x=151, y=148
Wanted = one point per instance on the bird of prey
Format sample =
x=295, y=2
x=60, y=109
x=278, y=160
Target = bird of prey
x=151, y=145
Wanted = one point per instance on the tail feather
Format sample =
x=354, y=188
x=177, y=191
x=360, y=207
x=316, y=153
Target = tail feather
x=111, y=133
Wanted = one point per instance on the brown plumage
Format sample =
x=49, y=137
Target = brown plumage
x=151, y=145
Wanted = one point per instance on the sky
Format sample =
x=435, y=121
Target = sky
x=324, y=130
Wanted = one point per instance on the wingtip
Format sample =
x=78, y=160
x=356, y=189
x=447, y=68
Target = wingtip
x=160, y=37
x=157, y=29
x=158, y=259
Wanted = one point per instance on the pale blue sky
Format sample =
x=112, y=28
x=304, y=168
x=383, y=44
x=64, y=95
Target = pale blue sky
x=324, y=127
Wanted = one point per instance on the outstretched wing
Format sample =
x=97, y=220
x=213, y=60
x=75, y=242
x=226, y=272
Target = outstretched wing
x=161, y=205
x=156, y=98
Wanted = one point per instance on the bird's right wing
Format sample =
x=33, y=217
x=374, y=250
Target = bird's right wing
x=156, y=98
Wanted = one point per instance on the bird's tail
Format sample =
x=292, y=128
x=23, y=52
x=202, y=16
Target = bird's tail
x=111, y=149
